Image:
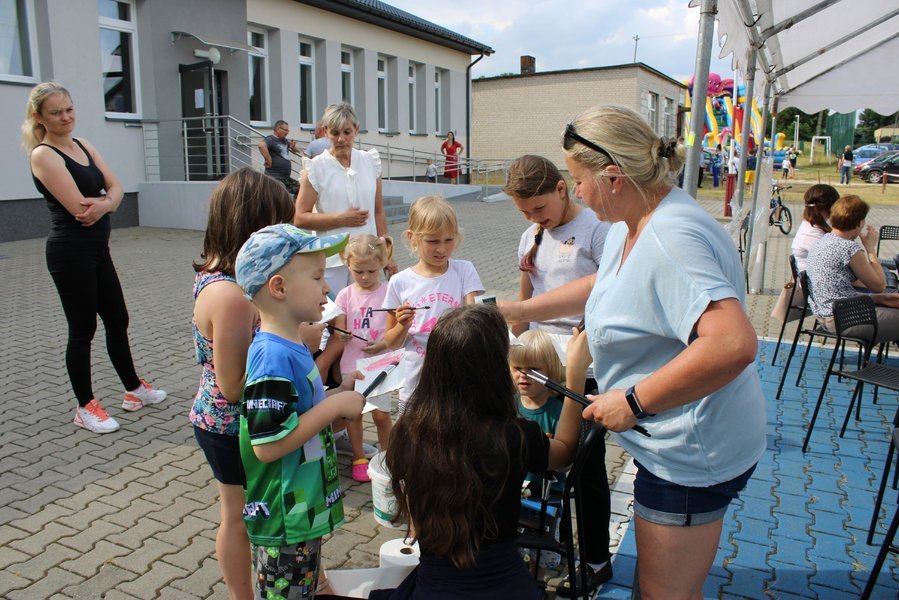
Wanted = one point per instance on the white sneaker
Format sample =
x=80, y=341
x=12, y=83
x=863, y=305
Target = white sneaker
x=142, y=396
x=93, y=418
x=342, y=444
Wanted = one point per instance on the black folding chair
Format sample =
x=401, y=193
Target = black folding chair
x=539, y=521
x=889, y=233
x=817, y=329
x=887, y=545
x=793, y=312
x=855, y=320
x=570, y=491
x=891, y=450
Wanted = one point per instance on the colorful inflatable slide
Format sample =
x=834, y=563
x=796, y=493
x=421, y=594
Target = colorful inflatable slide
x=724, y=115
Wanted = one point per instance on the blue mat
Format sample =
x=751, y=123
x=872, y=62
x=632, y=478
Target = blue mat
x=799, y=528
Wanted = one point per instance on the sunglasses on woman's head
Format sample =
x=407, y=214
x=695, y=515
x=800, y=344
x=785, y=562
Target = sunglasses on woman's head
x=572, y=136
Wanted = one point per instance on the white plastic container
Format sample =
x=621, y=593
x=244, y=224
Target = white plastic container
x=382, y=498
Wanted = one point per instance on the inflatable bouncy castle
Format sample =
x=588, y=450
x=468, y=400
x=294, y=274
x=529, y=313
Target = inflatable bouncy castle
x=724, y=107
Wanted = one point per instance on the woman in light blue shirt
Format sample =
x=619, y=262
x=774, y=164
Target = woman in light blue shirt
x=671, y=343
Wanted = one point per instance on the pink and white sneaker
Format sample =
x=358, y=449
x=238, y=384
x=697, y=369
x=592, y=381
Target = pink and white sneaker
x=92, y=417
x=142, y=396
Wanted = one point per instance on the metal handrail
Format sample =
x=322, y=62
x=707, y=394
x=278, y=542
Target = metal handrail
x=213, y=146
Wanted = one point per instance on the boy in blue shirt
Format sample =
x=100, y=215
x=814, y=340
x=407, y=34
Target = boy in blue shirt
x=293, y=494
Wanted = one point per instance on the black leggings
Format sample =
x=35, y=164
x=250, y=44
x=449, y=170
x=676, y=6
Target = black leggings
x=88, y=286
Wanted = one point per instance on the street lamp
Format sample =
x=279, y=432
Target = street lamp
x=796, y=134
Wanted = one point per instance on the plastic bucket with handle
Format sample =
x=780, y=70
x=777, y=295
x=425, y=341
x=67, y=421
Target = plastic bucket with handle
x=382, y=498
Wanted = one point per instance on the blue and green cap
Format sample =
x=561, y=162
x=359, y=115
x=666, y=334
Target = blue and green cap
x=269, y=249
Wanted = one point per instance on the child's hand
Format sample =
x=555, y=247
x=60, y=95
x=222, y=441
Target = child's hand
x=375, y=347
x=577, y=355
x=348, y=404
x=350, y=379
x=404, y=315
x=311, y=334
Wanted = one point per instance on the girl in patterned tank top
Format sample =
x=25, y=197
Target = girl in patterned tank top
x=225, y=320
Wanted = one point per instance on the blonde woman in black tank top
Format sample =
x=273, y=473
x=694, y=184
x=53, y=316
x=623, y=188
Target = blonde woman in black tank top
x=81, y=192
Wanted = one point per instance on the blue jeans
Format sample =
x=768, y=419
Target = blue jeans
x=845, y=173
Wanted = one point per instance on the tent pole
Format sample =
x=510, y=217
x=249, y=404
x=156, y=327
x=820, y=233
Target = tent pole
x=745, y=128
x=693, y=139
x=757, y=282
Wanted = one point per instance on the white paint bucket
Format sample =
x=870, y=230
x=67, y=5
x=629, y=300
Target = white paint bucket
x=382, y=498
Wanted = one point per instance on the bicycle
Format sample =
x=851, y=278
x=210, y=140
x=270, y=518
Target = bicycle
x=780, y=214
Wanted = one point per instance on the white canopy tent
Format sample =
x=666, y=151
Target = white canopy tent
x=809, y=54
x=834, y=54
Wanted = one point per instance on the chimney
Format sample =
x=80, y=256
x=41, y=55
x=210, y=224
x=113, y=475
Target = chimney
x=528, y=65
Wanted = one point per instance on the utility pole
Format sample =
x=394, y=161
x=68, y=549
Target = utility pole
x=693, y=141
x=636, y=40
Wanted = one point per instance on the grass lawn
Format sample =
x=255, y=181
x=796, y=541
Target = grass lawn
x=806, y=176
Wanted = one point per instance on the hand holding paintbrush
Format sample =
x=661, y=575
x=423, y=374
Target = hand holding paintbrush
x=561, y=389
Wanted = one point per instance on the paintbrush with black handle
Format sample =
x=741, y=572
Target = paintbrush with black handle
x=561, y=389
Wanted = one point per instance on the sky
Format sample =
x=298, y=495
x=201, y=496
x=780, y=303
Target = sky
x=570, y=34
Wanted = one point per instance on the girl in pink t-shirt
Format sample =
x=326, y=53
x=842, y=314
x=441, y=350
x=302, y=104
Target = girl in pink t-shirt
x=365, y=256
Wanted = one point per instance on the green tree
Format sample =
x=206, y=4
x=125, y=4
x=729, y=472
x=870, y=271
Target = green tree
x=868, y=121
x=786, y=124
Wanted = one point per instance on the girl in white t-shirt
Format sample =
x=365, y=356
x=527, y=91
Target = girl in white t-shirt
x=564, y=243
x=417, y=296
x=365, y=256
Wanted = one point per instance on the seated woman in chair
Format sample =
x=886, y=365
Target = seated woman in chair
x=847, y=255
x=818, y=201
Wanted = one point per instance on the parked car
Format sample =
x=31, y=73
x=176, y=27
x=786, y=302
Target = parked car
x=863, y=154
x=874, y=170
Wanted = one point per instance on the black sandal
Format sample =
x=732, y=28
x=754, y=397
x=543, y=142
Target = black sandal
x=594, y=580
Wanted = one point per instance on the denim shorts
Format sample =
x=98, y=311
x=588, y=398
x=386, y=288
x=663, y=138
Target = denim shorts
x=223, y=455
x=664, y=503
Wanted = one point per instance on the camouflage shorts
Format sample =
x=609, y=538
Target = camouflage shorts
x=288, y=572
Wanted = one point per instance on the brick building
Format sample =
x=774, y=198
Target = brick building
x=526, y=114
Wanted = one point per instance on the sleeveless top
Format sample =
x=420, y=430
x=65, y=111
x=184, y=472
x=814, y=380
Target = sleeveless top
x=91, y=184
x=211, y=410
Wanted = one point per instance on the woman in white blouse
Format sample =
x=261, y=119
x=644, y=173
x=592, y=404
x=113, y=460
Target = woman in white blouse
x=340, y=190
x=818, y=201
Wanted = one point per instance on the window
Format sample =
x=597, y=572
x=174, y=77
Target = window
x=118, y=41
x=652, y=108
x=437, y=93
x=15, y=41
x=382, y=94
x=669, y=118
x=258, y=64
x=346, y=75
x=413, y=110
x=307, y=77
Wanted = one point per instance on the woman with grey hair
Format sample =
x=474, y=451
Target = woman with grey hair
x=672, y=346
x=340, y=190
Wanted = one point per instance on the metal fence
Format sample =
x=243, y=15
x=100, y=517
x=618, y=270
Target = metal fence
x=212, y=147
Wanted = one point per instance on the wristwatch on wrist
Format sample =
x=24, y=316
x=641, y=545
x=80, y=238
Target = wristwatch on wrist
x=631, y=396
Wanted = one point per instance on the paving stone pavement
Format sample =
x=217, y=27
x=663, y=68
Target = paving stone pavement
x=133, y=514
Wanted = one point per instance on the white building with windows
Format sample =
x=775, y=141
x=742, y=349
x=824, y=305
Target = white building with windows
x=171, y=90
x=526, y=114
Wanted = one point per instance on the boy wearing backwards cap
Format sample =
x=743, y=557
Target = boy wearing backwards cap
x=293, y=494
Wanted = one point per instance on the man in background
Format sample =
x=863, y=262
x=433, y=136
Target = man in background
x=275, y=150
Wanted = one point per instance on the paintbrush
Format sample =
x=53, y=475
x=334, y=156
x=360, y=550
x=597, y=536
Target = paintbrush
x=348, y=333
x=561, y=389
x=394, y=310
